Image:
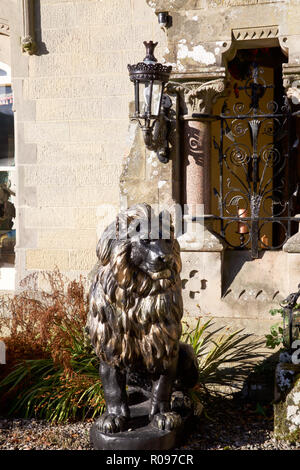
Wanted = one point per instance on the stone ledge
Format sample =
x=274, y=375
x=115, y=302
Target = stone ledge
x=293, y=244
x=208, y=242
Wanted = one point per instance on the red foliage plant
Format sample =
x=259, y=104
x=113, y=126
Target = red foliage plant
x=42, y=322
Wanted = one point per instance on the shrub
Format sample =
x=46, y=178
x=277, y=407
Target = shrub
x=51, y=370
x=279, y=334
x=275, y=337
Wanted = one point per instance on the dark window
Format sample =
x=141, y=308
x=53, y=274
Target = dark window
x=255, y=180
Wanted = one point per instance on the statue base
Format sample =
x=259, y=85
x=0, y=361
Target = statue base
x=140, y=434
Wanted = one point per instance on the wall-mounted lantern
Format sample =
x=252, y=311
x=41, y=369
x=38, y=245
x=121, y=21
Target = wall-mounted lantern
x=151, y=104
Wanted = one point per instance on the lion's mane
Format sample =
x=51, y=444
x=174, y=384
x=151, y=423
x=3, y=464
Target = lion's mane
x=133, y=320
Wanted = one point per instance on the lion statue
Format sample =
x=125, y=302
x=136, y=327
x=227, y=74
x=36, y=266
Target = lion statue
x=134, y=319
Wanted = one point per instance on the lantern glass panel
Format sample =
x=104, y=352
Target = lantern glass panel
x=141, y=98
x=152, y=97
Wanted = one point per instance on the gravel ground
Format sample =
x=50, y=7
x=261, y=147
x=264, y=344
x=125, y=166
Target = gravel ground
x=236, y=425
x=225, y=425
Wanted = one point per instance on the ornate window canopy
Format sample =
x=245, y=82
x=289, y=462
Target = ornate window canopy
x=4, y=27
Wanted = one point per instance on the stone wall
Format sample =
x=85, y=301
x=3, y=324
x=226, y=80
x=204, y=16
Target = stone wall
x=75, y=148
x=203, y=36
x=72, y=119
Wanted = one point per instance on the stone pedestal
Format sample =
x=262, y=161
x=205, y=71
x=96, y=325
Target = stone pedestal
x=140, y=434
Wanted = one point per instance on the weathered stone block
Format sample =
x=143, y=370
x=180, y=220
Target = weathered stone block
x=99, y=131
x=201, y=280
x=82, y=259
x=66, y=110
x=55, y=217
x=115, y=107
x=67, y=239
x=47, y=259
x=45, y=175
x=77, y=87
x=95, y=13
x=68, y=64
x=70, y=153
x=65, y=175
x=106, y=38
x=61, y=41
x=287, y=415
x=41, y=88
x=49, y=196
x=41, y=132
x=27, y=153
x=57, y=15
x=86, y=218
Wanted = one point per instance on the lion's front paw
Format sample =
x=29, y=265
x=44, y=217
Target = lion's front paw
x=166, y=421
x=111, y=423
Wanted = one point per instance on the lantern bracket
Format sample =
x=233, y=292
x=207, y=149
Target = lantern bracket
x=156, y=131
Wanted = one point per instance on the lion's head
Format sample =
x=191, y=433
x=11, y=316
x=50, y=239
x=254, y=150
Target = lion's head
x=140, y=259
x=135, y=300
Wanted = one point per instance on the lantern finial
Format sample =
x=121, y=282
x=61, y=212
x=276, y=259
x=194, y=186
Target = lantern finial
x=150, y=46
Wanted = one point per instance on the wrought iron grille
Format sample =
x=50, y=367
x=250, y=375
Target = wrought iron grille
x=257, y=181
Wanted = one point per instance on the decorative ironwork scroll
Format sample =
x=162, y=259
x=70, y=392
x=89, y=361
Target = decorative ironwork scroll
x=257, y=180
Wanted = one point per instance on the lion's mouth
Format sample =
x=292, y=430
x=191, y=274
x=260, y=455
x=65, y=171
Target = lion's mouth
x=165, y=274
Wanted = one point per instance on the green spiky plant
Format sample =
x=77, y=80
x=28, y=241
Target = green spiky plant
x=225, y=357
x=52, y=372
x=38, y=387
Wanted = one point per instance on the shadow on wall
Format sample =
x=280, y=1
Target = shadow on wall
x=233, y=264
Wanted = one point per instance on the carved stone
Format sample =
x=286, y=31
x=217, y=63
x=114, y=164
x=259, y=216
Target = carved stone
x=245, y=34
x=4, y=27
x=197, y=97
x=203, y=239
x=291, y=81
x=28, y=39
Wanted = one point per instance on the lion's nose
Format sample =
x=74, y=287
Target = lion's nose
x=165, y=258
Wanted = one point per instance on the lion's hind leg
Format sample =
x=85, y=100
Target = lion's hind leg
x=117, y=410
x=167, y=420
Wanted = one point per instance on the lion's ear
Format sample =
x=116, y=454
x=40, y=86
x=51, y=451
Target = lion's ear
x=105, y=243
x=103, y=249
